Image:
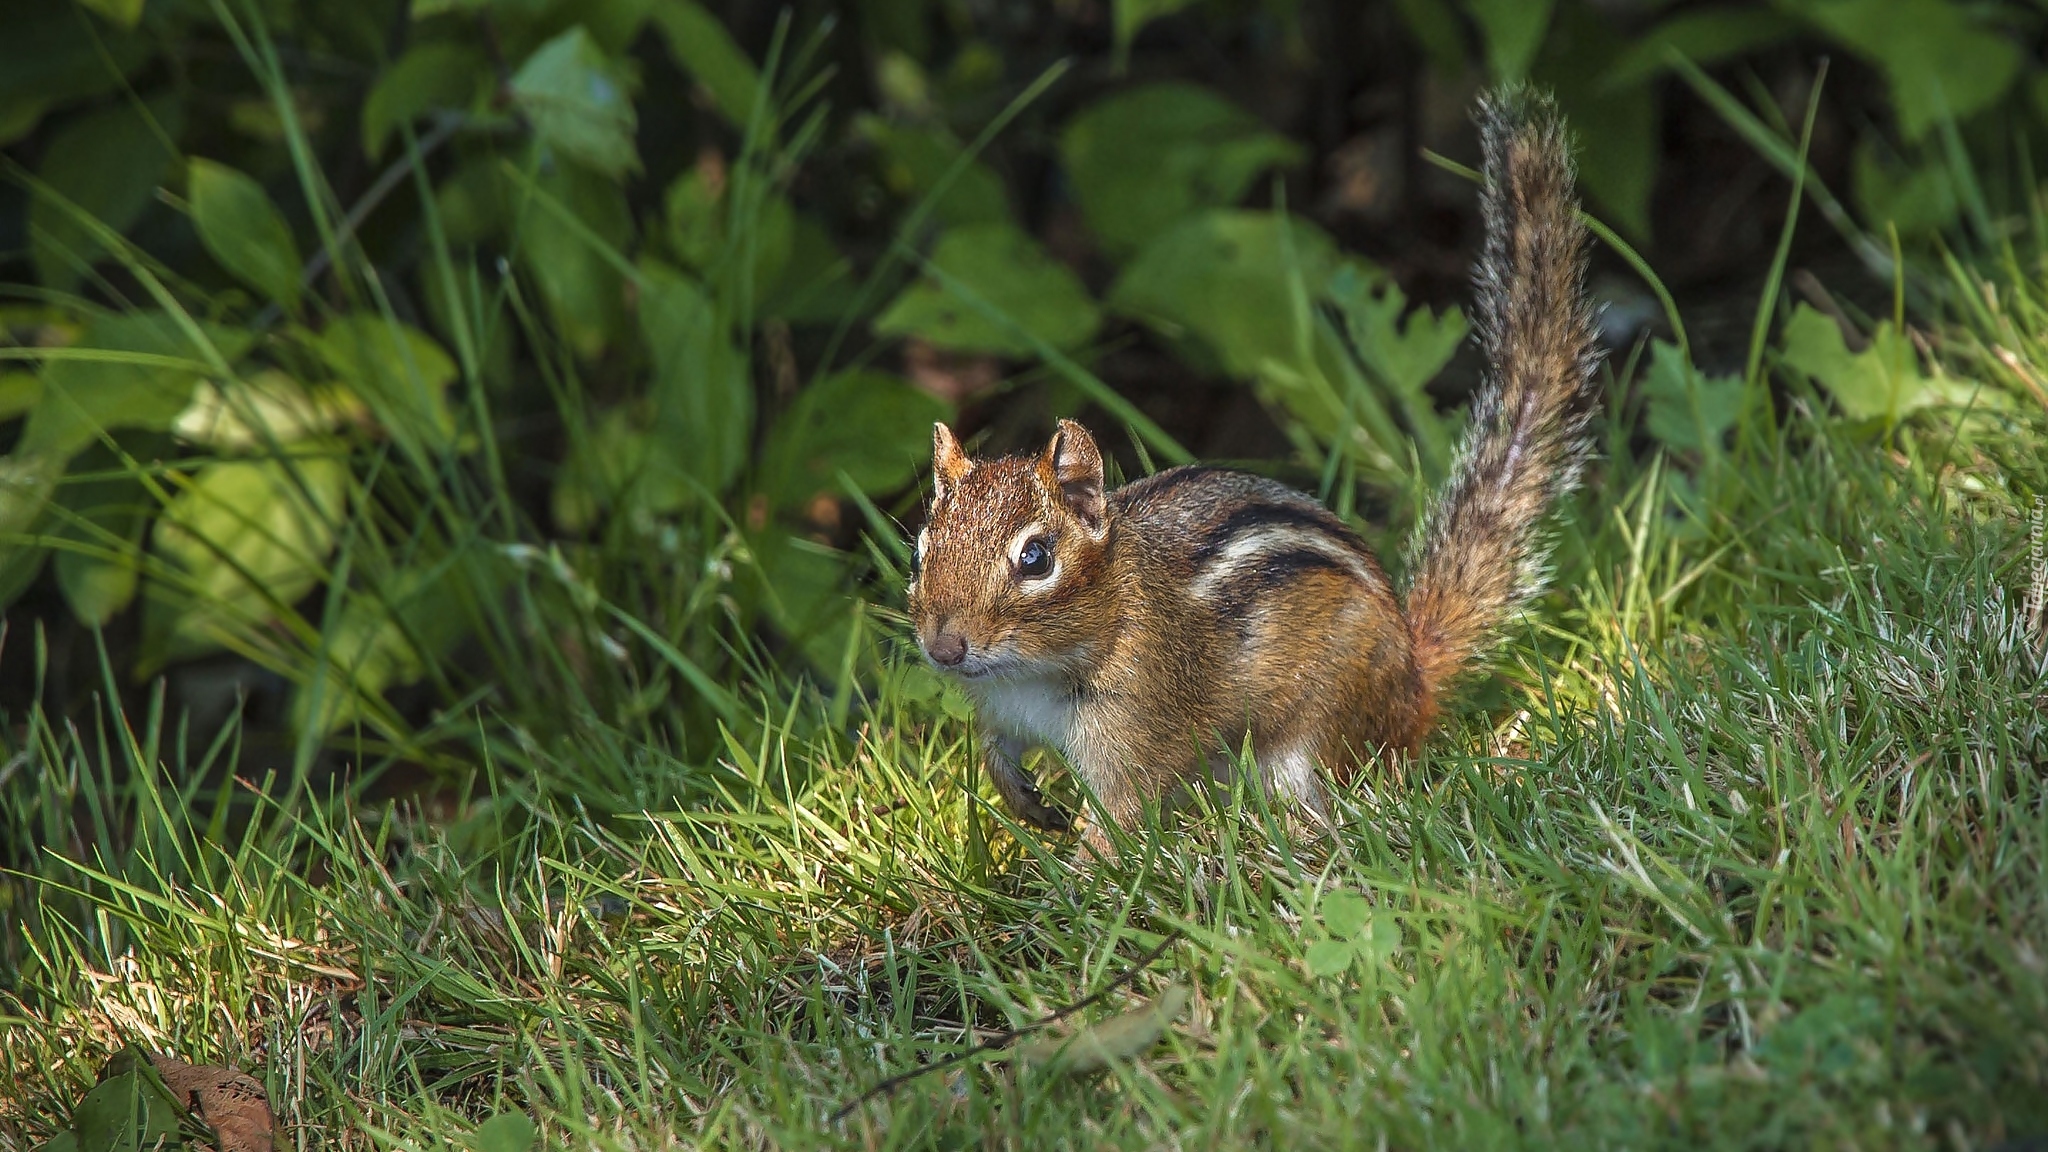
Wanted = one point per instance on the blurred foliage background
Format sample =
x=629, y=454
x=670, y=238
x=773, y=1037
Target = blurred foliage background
x=431, y=382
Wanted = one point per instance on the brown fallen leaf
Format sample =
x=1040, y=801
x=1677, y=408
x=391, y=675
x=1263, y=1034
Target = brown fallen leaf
x=231, y=1103
x=1120, y=1037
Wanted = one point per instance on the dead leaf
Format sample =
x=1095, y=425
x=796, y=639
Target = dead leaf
x=1120, y=1037
x=231, y=1103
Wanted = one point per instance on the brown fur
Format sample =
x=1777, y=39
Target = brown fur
x=1184, y=613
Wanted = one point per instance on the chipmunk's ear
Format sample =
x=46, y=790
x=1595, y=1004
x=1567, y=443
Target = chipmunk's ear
x=949, y=464
x=1074, y=463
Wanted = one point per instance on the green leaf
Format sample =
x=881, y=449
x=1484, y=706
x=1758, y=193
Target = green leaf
x=579, y=280
x=105, y=510
x=121, y=13
x=50, y=58
x=708, y=52
x=1346, y=914
x=1513, y=30
x=1706, y=37
x=1436, y=27
x=704, y=399
x=1129, y=16
x=1406, y=349
x=242, y=529
x=805, y=588
x=107, y=164
x=914, y=160
x=505, y=1132
x=1939, y=58
x=579, y=101
x=1615, y=129
x=62, y=1142
x=244, y=231
x=429, y=76
x=1329, y=957
x=1883, y=381
x=1222, y=278
x=615, y=465
x=19, y=392
x=263, y=412
x=1688, y=410
x=1144, y=159
x=125, y=1113
x=82, y=397
x=1919, y=201
x=700, y=227
x=1118, y=1038
x=1006, y=270
x=399, y=371
x=872, y=426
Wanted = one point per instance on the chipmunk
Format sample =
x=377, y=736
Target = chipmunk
x=1145, y=632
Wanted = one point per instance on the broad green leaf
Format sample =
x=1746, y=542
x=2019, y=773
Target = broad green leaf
x=1404, y=348
x=1513, y=31
x=580, y=282
x=265, y=411
x=50, y=58
x=805, y=589
x=1345, y=914
x=580, y=101
x=1144, y=159
x=62, y=1142
x=477, y=202
x=1009, y=272
x=121, y=13
x=1919, y=201
x=1615, y=130
x=1688, y=409
x=615, y=465
x=125, y=1113
x=18, y=392
x=1383, y=942
x=1121, y=1037
x=82, y=397
x=105, y=510
x=1129, y=16
x=107, y=163
x=505, y=1132
x=440, y=74
x=704, y=399
x=708, y=52
x=244, y=231
x=240, y=530
x=1222, y=278
x=426, y=9
x=872, y=426
x=816, y=285
x=399, y=371
x=914, y=160
x=382, y=641
x=1882, y=381
x=1939, y=58
x=706, y=237
x=1706, y=37
x=1329, y=957
x=1436, y=26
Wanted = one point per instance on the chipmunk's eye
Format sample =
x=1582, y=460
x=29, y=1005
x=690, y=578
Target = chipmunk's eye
x=1034, y=559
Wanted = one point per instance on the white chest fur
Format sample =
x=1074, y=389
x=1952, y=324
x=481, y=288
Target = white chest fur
x=1037, y=709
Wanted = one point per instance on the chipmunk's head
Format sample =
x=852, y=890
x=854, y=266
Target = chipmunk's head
x=1011, y=573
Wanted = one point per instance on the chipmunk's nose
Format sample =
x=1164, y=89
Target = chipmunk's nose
x=946, y=648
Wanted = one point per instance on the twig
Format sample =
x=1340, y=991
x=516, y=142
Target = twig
x=1005, y=1039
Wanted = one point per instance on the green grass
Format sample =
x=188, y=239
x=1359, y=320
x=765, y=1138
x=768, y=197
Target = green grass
x=1753, y=857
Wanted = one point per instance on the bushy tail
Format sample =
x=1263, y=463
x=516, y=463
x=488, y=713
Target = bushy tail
x=1480, y=552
